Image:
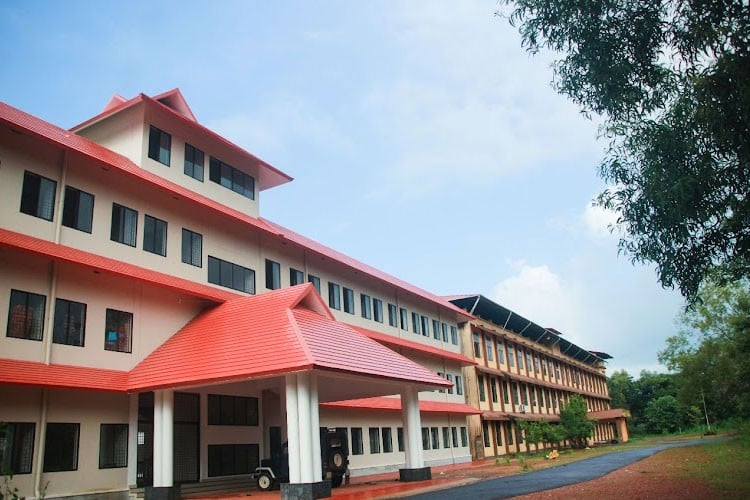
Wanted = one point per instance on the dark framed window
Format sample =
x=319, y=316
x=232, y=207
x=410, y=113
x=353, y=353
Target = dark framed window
x=454, y=335
x=273, y=275
x=454, y=437
x=230, y=275
x=377, y=310
x=425, y=438
x=357, y=445
x=113, y=446
x=26, y=315
x=459, y=385
x=374, y=440
x=464, y=437
x=498, y=432
x=232, y=410
x=477, y=346
x=365, y=302
x=296, y=277
x=78, y=209
x=444, y=330
x=425, y=326
x=392, y=315
x=486, y=433
x=38, y=196
x=61, y=447
x=446, y=437
x=387, y=440
x=192, y=248
x=124, y=225
x=348, y=300
x=404, y=317
x=504, y=389
x=435, y=329
x=500, y=351
x=519, y=357
x=449, y=377
x=154, y=235
x=231, y=178
x=493, y=389
x=489, y=347
x=70, y=322
x=400, y=438
x=159, y=145
x=334, y=295
x=118, y=334
x=315, y=281
x=194, y=162
x=435, y=438
x=480, y=384
x=17, y=447
x=509, y=432
x=415, y=322
x=512, y=357
x=232, y=459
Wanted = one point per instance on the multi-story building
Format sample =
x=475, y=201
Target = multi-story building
x=525, y=372
x=158, y=331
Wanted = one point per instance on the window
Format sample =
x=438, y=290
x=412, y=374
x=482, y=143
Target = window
x=504, y=388
x=159, y=145
x=17, y=447
x=459, y=385
x=493, y=389
x=454, y=335
x=435, y=438
x=70, y=322
x=193, y=162
x=524, y=394
x=124, y=225
x=273, y=275
x=119, y=331
x=477, y=347
x=232, y=459
x=235, y=276
x=387, y=440
x=511, y=357
x=480, y=383
x=454, y=437
x=486, y=433
x=78, y=209
x=520, y=358
x=514, y=390
x=374, y=440
x=38, y=196
x=488, y=347
x=348, y=300
x=232, y=410
x=400, y=438
x=357, y=445
x=404, y=318
x=425, y=438
x=498, y=432
x=464, y=437
x=192, y=248
x=315, y=281
x=444, y=330
x=449, y=377
x=365, y=302
x=529, y=366
x=296, y=277
x=509, y=432
x=415, y=322
x=435, y=329
x=154, y=235
x=113, y=446
x=377, y=310
x=231, y=178
x=61, y=449
x=26, y=315
x=500, y=350
x=334, y=296
x=392, y=315
x=446, y=437
x=425, y=326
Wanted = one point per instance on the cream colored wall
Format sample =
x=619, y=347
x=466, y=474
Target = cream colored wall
x=122, y=134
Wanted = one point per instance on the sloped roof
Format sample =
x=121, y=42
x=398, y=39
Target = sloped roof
x=410, y=345
x=278, y=332
x=610, y=414
x=13, y=371
x=508, y=415
x=394, y=404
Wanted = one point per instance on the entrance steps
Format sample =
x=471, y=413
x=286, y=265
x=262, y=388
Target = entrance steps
x=208, y=487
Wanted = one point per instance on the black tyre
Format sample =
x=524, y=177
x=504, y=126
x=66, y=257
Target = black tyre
x=336, y=481
x=264, y=481
x=336, y=460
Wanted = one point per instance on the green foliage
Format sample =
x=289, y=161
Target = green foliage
x=574, y=425
x=671, y=81
x=664, y=415
x=541, y=432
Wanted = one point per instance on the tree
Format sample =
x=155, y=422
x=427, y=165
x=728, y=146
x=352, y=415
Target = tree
x=664, y=415
x=671, y=81
x=621, y=389
x=541, y=432
x=574, y=425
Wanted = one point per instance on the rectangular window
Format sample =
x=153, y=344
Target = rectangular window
x=498, y=432
x=459, y=385
x=524, y=394
x=334, y=296
x=374, y=440
x=232, y=459
x=486, y=433
x=529, y=365
x=435, y=438
x=119, y=331
x=357, y=445
x=446, y=437
x=454, y=437
x=511, y=357
x=505, y=392
x=477, y=346
x=78, y=209
x=500, y=350
x=514, y=390
x=464, y=437
x=192, y=248
x=26, y=315
x=315, y=281
x=493, y=389
x=154, y=235
x=159, y=145
x=444, y=330
x=392, y=315
x=404, y=317
x=348, y=300
x=400, y=438
x=449, y=377
x=425, y=438
x=231, y=178
x=454, y=335
x=425, y=326
x=61, y=449
x=273, y=275
x=17, y=447
x=488, y=347
x=435, y=329
x=38, y=196
x=296, y=277
x=113, y=446
x=70, y=322
x=365, y=302
x=193, y=162
x=480, y=384
x=415, y=322
x=230, y=275
x=387, y=440
x=520, y=358
x=509, y=432
x=124, y=225
x=377, y=310
x=232, y=410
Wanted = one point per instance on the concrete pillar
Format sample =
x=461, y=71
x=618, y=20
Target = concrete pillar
x=132, y=439
x=415, y=469
x=163, y=488
x=292, y=429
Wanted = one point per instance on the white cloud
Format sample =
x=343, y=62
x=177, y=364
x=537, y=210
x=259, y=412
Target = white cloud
x=600, y=223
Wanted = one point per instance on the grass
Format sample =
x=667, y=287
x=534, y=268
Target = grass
x=728, y=469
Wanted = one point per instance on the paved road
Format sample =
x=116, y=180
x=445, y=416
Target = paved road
x=553, y=477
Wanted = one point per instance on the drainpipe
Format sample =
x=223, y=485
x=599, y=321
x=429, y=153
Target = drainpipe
x=41, y=445
x=53, y=265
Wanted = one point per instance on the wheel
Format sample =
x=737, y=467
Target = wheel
x=264, y=481
x=336, y=460
x=336, y=481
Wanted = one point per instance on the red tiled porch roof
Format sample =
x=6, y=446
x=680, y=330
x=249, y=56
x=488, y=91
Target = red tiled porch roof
x=394, y=404
x=33, y=373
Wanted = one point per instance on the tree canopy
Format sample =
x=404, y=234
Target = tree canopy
x=671, y=80
x=575, y=426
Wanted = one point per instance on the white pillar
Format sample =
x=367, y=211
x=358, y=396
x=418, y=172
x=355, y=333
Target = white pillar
x=315, y=424
x=303, y=428
x=305, y=437
x=163, y=437
x=412, y=428
x=292, y=429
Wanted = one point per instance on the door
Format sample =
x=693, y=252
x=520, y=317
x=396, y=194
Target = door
x=186, y=437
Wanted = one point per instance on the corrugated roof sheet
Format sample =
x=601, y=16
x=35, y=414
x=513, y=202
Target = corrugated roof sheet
x=394, y=404
x=410, y=345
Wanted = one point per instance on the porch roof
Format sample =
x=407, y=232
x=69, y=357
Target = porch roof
x=394, y=404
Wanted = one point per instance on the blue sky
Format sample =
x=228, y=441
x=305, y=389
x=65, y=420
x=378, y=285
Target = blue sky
x=423, y=140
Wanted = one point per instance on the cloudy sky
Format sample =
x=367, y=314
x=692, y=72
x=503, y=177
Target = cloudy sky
x=422, y=138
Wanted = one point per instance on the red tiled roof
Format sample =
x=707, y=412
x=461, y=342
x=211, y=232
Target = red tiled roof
x=62, y=253
x=394, y=341
x=394, y=404
x=32, y=373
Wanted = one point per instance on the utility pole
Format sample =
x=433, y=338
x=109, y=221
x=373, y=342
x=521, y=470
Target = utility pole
x=703, y=396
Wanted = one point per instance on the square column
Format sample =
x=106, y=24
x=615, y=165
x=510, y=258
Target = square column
x=163, y=488
x=415, y=469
